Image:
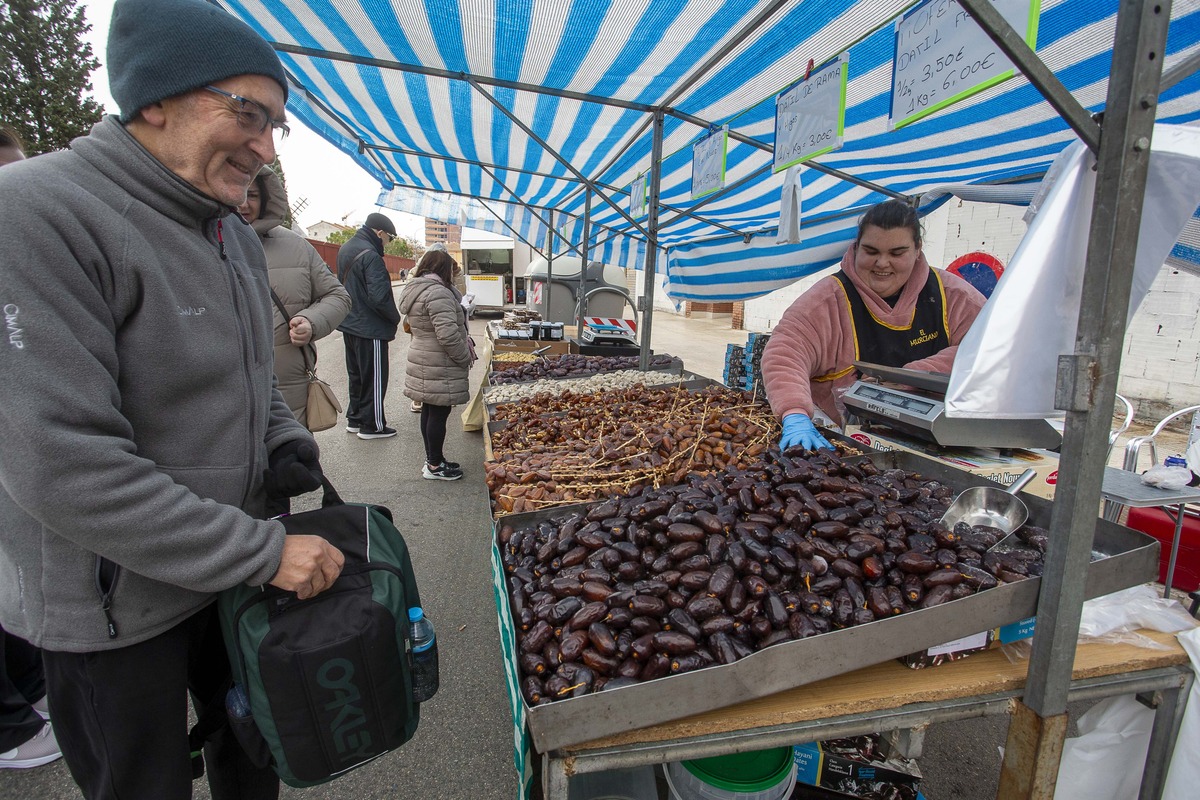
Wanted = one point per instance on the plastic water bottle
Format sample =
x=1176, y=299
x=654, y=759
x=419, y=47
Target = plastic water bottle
x=237, y=704
x=424, y=655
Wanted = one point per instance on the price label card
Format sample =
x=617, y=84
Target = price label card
x=943, y=56
x=810, y=117
x=708, y=163
x=637, y=197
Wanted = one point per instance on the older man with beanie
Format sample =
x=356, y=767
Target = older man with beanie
x=369, y=326
x=142, y=431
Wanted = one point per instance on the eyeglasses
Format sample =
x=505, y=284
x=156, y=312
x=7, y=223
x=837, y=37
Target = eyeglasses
x=252, y=116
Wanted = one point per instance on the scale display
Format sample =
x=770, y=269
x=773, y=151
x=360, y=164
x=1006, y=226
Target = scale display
x=902, y=402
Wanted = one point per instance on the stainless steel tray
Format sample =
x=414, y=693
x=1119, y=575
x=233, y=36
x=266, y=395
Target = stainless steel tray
x=1129, y=558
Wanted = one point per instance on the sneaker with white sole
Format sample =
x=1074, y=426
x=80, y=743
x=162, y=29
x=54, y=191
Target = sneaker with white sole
x=352, y=428
x=42, y=707
x=383, y=433
x=41, y=749
x=442, y=472
x=415, y=406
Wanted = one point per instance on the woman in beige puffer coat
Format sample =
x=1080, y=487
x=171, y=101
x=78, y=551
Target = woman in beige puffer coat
x=304, y=284
x=439, y=356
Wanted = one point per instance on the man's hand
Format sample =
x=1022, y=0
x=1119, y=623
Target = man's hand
x=309, y=565
x=300, y=330
x=798, y=429
x=293, y=469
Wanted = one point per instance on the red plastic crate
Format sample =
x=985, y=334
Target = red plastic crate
x=1161, y=526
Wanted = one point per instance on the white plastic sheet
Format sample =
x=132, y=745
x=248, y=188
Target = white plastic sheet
x=1184, y=774
x=1106, y=759
x=1006, y=366
x=790, y=204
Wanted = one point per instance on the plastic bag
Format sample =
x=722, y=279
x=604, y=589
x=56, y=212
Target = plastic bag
x=1116, y=618
x=1164, y=477
x=1107, y=757
x=1183, y=776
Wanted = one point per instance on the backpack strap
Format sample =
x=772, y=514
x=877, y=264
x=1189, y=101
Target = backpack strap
x=211, y=718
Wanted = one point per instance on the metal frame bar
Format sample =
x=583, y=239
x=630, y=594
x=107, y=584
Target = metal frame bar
x=1181, y=71
x=472, y=162
x=587, y=235
x=651, y=265
x=557, y=156
x=1173, y=682
x=528, y=243
x=1013, y=45
x=548, y=223
x=766, y=148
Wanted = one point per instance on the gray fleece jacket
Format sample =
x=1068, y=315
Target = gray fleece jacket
x=139, y=406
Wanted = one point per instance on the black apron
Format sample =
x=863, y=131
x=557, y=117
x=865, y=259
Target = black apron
x=927, y=333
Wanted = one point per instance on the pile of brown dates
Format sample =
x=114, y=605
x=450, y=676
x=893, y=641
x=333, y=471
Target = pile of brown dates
x=574, y=365
x=676, y=579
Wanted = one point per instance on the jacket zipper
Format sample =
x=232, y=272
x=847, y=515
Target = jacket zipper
x=106, y=586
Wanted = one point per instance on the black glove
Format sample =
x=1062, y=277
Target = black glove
x=293, y=470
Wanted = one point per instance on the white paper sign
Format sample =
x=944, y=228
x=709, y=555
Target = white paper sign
x=943, y=56
x=810, y=117
x=708, y=163
x=637, y=197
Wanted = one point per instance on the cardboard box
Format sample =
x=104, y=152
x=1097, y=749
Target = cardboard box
x=950, y=651
x=858, y=766
x=1002, y=466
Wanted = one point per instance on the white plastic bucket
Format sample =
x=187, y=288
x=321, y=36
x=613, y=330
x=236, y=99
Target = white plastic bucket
x=617, y=784
x=684, y=785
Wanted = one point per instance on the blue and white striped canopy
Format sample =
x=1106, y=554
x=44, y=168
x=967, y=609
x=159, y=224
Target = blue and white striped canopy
x=413, y=91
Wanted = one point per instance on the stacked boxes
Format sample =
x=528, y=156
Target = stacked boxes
x=858, y=766
x=743, y=365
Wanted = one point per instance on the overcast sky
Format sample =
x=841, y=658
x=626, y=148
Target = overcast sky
x=336, y=188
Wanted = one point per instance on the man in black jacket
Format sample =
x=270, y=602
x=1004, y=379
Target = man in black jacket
x=369, y=326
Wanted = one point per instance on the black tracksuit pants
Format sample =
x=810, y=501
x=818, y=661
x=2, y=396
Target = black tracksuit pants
x=367, y=370
x=21, y=685
x=121, y=717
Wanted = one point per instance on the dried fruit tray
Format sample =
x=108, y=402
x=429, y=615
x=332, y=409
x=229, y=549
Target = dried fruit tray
x=1122, y=558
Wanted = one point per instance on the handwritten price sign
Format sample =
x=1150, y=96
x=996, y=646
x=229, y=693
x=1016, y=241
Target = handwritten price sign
x=810, y=117
x=708, y=163
x=943, y=56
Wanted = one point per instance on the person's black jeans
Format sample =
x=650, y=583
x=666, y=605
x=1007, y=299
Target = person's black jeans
x=121, y=717
x=433, y=431
x=21, y=685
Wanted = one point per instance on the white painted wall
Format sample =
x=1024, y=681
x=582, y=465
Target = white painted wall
x=1160, y=364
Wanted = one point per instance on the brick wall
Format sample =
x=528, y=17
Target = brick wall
x=329, y=252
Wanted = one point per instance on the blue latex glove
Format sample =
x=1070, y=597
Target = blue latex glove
x=798, y=429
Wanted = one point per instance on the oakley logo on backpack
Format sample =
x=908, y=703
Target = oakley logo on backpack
x=337, y=674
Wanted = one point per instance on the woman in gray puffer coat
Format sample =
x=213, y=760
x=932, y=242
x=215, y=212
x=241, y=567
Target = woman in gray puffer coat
x=310, y=292
x=439, y=356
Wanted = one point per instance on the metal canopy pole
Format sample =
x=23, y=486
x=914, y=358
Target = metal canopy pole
x=1086, y=390
x=436, y=156
x=651, y=239
x=1184, y=69
x=766, y=148
x=503, y=222
x=549, y=224
x=586, y=245
x=1013, y=45
x=679, y=212
x=546, y=146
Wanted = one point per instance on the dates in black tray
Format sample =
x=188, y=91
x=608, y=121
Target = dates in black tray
x=708, y=572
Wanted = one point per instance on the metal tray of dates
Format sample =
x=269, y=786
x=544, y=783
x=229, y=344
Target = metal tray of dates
x=1121, y=558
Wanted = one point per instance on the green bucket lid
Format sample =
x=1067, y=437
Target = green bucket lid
x=744, y=772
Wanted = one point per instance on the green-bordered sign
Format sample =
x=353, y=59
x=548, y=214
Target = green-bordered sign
x=810, y=117
x=708, y=163
x=637, y=197
x=943, y=56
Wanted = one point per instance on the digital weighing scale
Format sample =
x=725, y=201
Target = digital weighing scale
x=604, y=330
x=921, y=412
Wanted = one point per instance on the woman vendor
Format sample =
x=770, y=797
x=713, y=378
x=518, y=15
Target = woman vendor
x=885, y=306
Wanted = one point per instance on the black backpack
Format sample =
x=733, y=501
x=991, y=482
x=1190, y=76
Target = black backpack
x=329, y=679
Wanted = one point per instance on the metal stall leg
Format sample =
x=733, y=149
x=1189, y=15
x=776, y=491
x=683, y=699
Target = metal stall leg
x=555, y=780
x=1032, y=753
x=1168, y=715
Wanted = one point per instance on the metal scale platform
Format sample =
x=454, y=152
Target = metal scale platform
x=608, y=331
x=921, y=412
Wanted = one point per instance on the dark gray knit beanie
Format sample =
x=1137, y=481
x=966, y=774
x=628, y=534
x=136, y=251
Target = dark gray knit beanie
x=163, y=48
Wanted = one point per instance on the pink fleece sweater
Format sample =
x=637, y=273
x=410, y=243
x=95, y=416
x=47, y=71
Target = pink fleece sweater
x=814, y=338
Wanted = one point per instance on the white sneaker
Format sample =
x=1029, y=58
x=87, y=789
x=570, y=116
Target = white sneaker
x=42, y=707
x=41, y=749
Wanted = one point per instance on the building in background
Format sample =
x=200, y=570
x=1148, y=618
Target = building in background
x=323, y=229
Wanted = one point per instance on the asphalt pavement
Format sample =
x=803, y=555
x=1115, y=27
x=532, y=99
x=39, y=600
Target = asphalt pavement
x=464, y=746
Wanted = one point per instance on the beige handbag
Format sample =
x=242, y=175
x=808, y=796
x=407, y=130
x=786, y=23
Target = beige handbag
x=322, y=408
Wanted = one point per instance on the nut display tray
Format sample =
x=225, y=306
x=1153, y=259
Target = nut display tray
x=1122, y=558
